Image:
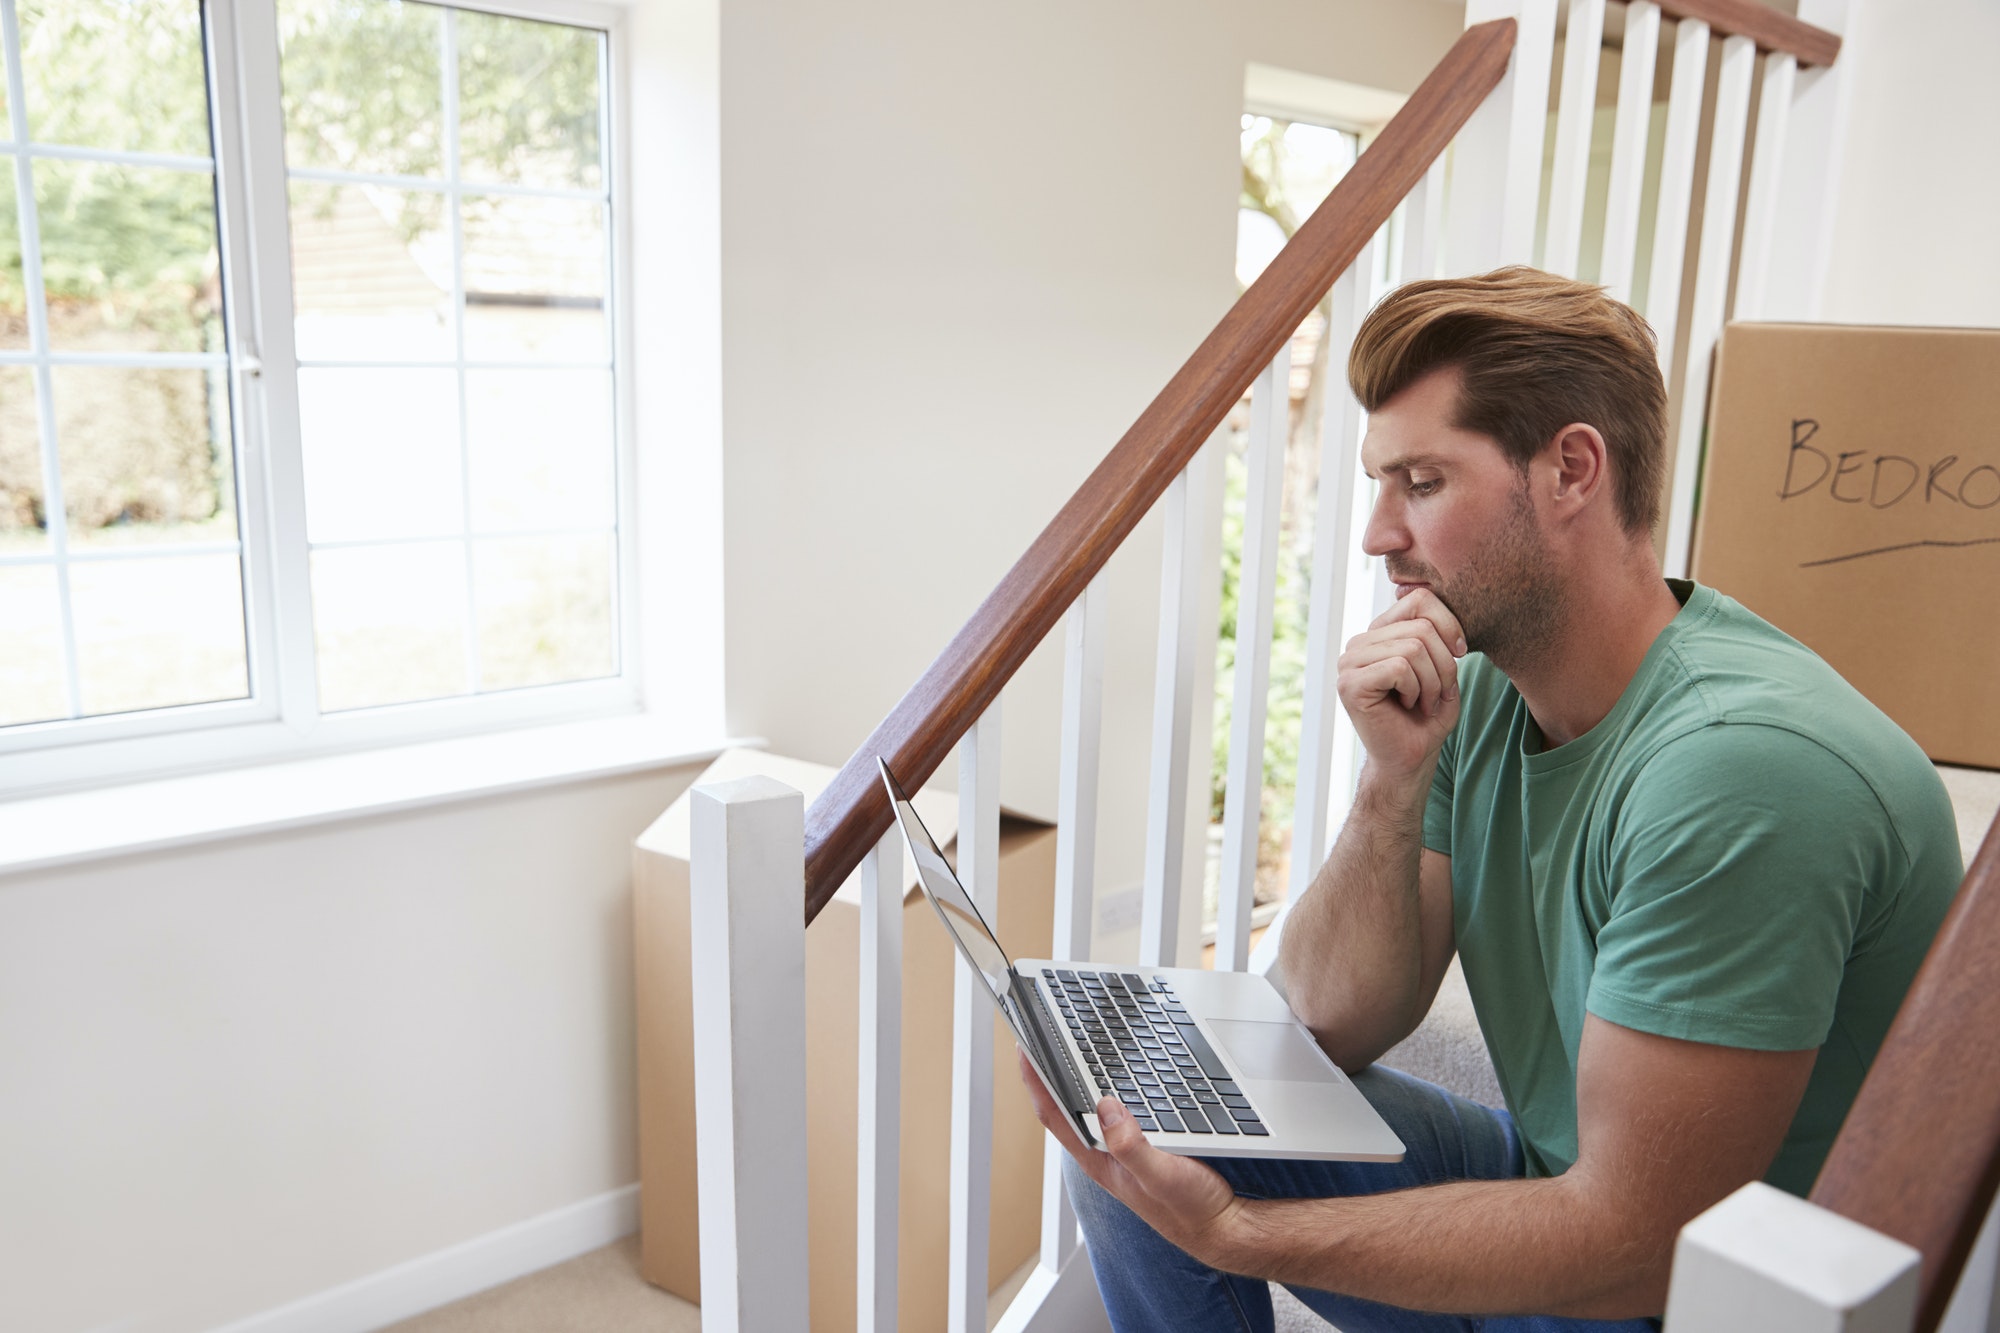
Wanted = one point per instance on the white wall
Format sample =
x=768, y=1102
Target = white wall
x=1915, y=241
x=240, y=1074
x=963, y=247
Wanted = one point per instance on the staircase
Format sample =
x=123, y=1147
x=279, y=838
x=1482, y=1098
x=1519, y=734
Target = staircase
x=1460, y=171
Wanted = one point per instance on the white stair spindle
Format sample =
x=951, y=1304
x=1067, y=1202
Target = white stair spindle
x=1764, y=1261
x=748, y=969
x=1423, y=227
x=1334, y=542
x=1808, y=188
x=1767, y=166
x=1630, y=132
x=1369, y=593
x=1670, y=214
x=1574, y=118
x=877, y=1180
x=1076, y=855
x=1256, y=596
x=1497, y=157
x=1711, y=287
x=972, y=1033
x=1187, y=575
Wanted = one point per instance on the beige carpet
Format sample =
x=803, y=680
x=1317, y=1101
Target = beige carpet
x=594, y=1293
x=600, y=1292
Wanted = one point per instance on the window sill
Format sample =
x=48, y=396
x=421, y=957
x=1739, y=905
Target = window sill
x=41, y=832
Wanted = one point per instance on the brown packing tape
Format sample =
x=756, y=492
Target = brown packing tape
x=671, y=1254
x=1851, y=496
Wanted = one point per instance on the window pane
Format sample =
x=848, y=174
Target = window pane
x=390, y=623
x=527, y=102
x=145, y=455
x=23, y=519
x=151, y=633
x=534, y=279
x=13, y=293
x=544, y=608
x=381, y=454
x=362, y=90
x=397, y=461
x=540, y=447
x=31, y=648
x=128, y=257
x=126, y=76
x=371, y=274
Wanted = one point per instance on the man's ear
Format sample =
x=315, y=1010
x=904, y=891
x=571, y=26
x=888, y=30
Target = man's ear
x=1578, y=459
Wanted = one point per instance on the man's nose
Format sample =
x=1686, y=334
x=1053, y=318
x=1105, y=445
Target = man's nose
x=1384, y=532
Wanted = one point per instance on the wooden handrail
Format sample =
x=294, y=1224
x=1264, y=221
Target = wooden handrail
x=1918, y=1157
x=1771, y=29
x=852, y=813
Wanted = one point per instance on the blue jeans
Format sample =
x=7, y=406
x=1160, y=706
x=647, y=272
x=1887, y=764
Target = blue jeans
x=1149, y=1284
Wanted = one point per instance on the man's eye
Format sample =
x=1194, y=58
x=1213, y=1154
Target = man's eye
x=1425, y=487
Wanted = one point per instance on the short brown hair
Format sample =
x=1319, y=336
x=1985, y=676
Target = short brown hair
x=1534, y=353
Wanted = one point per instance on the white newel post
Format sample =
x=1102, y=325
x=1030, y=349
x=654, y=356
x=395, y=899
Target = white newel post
x=1764, y=1261
x=746, y=920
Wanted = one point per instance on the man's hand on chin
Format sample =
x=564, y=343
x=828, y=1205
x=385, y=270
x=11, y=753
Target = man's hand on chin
x=1182, y=1199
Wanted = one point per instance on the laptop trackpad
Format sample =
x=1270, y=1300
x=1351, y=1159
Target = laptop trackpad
x=1275, y=1051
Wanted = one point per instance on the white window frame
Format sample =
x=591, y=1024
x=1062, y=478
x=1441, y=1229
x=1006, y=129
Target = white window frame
x=281, y=719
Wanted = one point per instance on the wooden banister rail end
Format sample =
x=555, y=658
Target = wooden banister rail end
x=1919, y=1155
x=1772, y=29
x=968, y=675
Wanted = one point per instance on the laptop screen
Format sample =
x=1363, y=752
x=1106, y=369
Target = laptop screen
x=975, y=941
x=961, y=918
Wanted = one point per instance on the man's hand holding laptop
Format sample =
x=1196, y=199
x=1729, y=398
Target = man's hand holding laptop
x=1182, y=1198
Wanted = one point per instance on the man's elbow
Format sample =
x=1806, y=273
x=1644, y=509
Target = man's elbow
x=1625, y=1266
x=1355, y=1041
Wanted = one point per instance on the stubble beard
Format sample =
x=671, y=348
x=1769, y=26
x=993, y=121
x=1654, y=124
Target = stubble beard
x=1510, y=598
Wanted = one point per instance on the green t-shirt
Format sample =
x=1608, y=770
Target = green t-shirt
x=1745, y=851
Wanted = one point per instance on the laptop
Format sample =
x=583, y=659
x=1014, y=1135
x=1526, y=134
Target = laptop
x=1211, y=1064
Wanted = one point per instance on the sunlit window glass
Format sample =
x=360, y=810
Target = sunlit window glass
x=451, y=269
x=121, y=561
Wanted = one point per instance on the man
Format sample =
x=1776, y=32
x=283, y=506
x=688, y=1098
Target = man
x=1690, y=872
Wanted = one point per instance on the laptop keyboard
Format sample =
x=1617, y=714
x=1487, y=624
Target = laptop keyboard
x=1140, y=1045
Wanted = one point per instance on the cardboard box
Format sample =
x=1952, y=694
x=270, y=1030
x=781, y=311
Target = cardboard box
x=671, y=1254
x=1851, y=496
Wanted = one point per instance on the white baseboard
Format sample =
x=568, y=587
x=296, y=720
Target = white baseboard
x=455, y=1272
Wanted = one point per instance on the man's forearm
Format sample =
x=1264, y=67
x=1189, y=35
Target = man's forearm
x=1352, y=949
x=1467, y=1247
